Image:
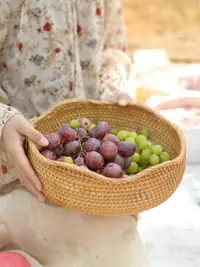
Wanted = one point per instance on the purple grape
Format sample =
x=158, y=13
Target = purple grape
x=92, y=144
x=49, y=154
x=54, y=140
x=84, y=122
x=119, y=161
x=61, y=159
x=113, y=138
x=108, y=150
x=100, y=130
x=94, y=160
x=62, y=127
x=112, y=170
x=82, y=134
x=68, y=134
x=79, y=161
x=127, y=162
x=105, y=125
x=72, y=148
x=59, y=151
x=126, y=149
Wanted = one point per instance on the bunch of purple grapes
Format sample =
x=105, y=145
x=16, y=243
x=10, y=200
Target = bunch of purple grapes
x=102, y=149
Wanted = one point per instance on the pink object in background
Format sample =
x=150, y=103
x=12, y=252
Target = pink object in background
x=189, y=76
x=13, y=259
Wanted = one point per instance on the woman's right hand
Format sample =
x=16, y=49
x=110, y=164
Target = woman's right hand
x=14, y=133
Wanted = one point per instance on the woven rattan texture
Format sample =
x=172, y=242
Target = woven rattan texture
x=85, y=191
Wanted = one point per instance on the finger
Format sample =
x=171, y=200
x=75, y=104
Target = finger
x=32, y=120
x=124, y=99
x=27, y=129
x=29, y=186
x=122, y=102
x=23, y=166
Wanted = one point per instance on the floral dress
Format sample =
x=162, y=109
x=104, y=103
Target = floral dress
x=51, y=50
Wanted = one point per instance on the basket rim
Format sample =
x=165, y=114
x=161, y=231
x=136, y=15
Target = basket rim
x=129, y=179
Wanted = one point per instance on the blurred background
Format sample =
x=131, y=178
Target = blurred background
x=164, y=45
x=170, y=24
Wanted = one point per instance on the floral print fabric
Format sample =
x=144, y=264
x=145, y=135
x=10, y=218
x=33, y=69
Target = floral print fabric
x=53, y=50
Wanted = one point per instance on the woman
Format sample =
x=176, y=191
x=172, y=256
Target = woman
x=50, y=51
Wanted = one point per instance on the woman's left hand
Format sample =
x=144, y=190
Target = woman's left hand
x=124, y=99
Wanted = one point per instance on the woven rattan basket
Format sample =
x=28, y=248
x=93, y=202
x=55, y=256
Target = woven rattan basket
x=82, y=190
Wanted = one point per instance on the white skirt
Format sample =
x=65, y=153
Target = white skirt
x=57, y=237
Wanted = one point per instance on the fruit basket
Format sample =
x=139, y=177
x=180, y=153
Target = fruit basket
x=82, y=190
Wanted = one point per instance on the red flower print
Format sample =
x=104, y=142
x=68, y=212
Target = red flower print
x=57, y=50
x=79, y=30
x=98, y=11
x=120, y=10
x=47, y=27
x=20, y=46
x=4, y=169
x=124, y=48
x=16, y=27
x=71, y=86
x=4, y=65
x=39, y=30
x=119, y=31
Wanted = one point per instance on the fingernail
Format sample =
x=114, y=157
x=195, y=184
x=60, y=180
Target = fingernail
x=41, y=198
x=39, y=187
x=43, y=141
x=123, y=102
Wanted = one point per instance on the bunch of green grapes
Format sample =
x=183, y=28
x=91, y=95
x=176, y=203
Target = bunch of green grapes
x=146, y=154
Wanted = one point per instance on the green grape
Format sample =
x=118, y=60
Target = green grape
x=91, y=126
x=144, y=132
x=133, y=168
x=143, y=145
x=144, y=166
x=140, y=139
x=132, y=134
x=74, y=124
x=135, y=157
x=140, y=168
x=146, y=153
x=164, y=156
x=154, y=159
x=68, y=160
x=113, y=131
x=149, y=144
x=138, y=149
x=122, y=135
x=144, y=161
x=157, y=149
x=131, y=140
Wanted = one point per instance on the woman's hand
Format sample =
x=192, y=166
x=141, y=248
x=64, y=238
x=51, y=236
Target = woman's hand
x=124, y=99
x=14, y=133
